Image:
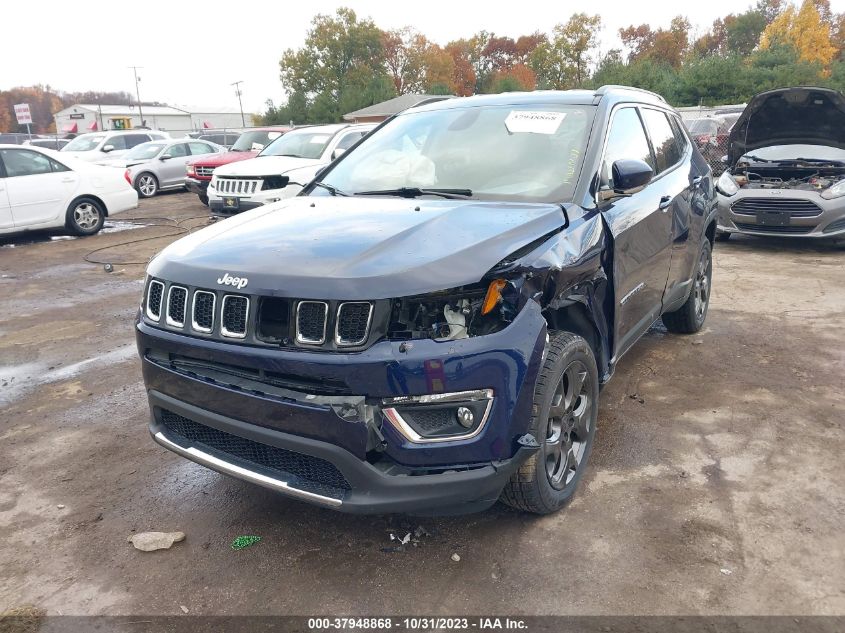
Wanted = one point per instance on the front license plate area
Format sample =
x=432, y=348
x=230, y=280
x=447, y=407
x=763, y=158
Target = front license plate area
x=772, y=218
x=230, y=203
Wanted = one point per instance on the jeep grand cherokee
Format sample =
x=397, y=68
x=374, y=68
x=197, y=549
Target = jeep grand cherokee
x=426, y=327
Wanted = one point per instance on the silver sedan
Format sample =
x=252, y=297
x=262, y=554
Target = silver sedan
x=158, y=165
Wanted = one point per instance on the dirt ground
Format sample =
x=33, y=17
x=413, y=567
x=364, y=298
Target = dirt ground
x=717, y=485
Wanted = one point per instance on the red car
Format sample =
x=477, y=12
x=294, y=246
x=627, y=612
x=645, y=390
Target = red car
x=247, y=146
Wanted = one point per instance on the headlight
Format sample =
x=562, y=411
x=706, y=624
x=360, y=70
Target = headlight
x=190, y=169
x=835, y=191
x=726, y=184
x=455, y=314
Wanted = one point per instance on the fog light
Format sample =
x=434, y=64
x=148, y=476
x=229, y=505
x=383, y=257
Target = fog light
x=465, y=417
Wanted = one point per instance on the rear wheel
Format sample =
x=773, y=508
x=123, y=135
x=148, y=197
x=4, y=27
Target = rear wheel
x=689, y=318
x=146, y=184
x=85, y=216
x=563, y=421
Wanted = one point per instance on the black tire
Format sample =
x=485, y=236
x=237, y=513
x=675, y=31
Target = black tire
x=85, y=216
x=146, y=184
x=545, y=483
x=689, y=318
x=203, y=198
x=722, y=236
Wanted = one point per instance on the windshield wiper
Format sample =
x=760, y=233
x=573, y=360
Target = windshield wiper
x=416, y=192
x=330, y=188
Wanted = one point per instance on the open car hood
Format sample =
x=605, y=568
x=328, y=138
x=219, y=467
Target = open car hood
x=788, y=116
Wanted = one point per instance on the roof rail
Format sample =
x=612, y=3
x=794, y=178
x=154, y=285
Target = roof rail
x=433, y=99
x=604, y=89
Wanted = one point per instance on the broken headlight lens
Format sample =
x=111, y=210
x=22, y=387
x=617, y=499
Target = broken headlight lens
x=726, y=184
x=455, y=314
x=835, y=191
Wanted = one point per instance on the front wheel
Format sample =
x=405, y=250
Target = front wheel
x=689, y=318
x=146, y=185
x=563, y=421
x=85, y=216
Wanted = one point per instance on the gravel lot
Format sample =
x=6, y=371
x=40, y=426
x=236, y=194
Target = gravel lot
x=717, y=484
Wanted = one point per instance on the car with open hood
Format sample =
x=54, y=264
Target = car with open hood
x=785, y=171
x=281, y=169
x=425, y=328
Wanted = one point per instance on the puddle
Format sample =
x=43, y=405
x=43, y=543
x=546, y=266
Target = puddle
x=111, y=226
x=17, y=380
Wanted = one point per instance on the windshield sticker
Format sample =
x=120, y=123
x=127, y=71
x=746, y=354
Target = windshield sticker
x=257, y=147
x=523, y=121
x=322, y=138
x=273, y=135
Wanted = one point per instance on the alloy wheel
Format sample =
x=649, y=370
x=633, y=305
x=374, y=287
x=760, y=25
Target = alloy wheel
x=147, y=185
x=568, y=425
x=86, y=216
x=701, y=288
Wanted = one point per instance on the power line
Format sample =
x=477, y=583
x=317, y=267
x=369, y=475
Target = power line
x=138, y=93
x=237, y=85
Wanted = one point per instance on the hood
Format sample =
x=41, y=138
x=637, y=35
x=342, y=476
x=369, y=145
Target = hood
x=357, y=248
x=788, y=116
x=215, y=160
x=265, y=166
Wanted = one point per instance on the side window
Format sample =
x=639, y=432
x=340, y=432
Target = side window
x=178, y=150
x=57, y=166
x=666, y=151
x=626, y=139
x=349, y=140
x=21, y=162
x=117, y=142
x=200, y=148
x=135, y=139
x=680, y=134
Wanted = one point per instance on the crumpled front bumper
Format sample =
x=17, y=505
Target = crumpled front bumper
x=398, y=475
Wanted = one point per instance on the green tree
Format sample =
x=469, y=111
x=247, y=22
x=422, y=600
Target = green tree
x=340, y=68
x=563, y=60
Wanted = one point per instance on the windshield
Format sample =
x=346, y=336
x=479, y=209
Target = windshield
x=83, y=143
x=145, y=151
x=255, y=140
x=791, y=152
x=520, y=153
x=309, y=143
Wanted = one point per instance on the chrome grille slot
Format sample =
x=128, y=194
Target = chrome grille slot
x=238, y=186
x=155, y=293
x=177, y=299
x=353, y=323
x=202, y=170
x=311, y=322
x=233, y=319
x=202, y=315
x=795, y=207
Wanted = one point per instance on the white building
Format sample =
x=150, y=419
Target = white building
x=87, y=117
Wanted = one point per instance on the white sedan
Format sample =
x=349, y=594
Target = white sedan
x=43, y=189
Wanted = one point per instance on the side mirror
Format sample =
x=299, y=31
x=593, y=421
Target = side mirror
x=338, y=152
x=108, y=148
x=630, y=174
x=165, y=157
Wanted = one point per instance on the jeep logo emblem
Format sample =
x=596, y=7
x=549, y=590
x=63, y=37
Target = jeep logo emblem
x=237, y=282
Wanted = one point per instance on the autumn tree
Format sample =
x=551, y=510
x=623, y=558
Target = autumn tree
x=463, y=73
x=802, y=30
x=405, y=58
x=562, y=61
x=662, y=45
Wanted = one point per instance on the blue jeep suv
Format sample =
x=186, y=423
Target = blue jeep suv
x=425, y=329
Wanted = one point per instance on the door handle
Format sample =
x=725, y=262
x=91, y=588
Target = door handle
x=67, y=180
x=665, y=202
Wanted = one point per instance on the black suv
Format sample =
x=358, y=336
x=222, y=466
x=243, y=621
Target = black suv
x=426, y=327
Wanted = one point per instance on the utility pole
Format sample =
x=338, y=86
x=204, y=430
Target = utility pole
x=138, y=93
x=237, y=85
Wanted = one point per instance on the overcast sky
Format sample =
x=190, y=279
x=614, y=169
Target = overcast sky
x=192, y=51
